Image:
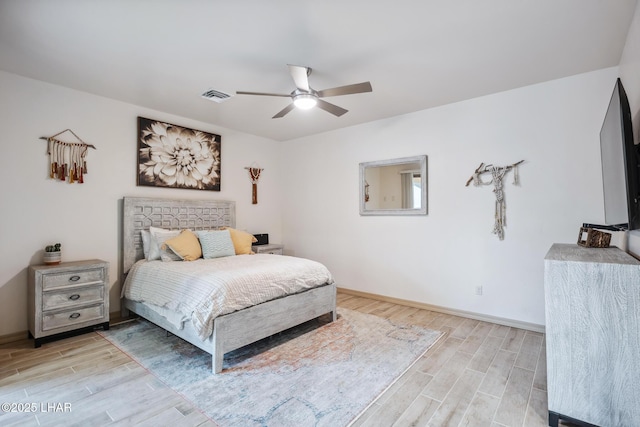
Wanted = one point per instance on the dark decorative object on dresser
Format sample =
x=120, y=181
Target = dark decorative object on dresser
x=593, y=238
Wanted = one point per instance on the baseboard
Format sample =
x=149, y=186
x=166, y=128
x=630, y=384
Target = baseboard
x=115, y=317
x=471, y=315
x=16, y=336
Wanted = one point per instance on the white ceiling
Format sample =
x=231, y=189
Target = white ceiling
x=417, y=54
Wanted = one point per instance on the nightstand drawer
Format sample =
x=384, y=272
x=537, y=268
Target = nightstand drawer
x=271, y=248
x=50, y=281
x=65, y=318
x=72, y=297
x=273, y=252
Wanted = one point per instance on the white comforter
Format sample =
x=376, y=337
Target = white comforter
x=203, y=289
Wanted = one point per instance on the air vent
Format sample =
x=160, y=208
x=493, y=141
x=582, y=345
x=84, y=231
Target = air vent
x=215, y=95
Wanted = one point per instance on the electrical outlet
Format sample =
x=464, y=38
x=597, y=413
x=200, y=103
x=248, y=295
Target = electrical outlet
x=479, y=290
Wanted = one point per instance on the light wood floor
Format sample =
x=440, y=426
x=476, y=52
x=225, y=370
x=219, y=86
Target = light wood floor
x=479, y=374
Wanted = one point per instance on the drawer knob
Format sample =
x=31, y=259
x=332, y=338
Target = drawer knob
x=74, y=297
x=74, y=316
x=74, y=278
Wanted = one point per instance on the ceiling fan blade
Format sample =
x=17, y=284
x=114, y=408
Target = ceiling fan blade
x=300, y=76
x=346, y=90
x=284, y=111
x=331, y=108
x=262, y=93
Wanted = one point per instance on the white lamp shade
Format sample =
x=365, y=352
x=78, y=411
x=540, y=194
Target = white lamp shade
x=305, y=101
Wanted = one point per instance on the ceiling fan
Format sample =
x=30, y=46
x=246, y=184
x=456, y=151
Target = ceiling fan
x=304, y=97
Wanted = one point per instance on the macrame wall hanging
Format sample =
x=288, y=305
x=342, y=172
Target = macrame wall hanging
x=497, y=175
x=254, y=175
x=67, y=160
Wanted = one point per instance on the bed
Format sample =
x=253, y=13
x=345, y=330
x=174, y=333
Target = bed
x=232, y=330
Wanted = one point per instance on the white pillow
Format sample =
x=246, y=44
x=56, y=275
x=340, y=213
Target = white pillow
x=216, y=243
x=146, y=241
x=158, y=236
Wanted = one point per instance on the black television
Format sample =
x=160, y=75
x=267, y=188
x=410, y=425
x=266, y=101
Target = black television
x=620, y=164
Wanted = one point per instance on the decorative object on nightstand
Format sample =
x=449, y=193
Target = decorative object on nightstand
x=67, y=299
x=262, y=239
x=52, y=254
x=271, y=248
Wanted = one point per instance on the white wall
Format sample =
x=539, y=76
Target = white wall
x=439, y=259
x=630, y=76
x=84, y=218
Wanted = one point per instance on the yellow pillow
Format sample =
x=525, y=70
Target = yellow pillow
x=186, y=245
x=241, y=240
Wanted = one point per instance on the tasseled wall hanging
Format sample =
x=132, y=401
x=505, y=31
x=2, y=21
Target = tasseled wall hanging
x=497, y=175
x=67, y=160
x=254, y=175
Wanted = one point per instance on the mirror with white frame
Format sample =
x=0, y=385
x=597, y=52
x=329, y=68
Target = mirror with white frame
x=394, y=187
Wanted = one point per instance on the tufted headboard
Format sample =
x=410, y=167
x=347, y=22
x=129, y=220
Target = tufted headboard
x=142, y=213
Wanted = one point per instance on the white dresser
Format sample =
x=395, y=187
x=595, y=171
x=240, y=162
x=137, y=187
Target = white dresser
x=592, y=307
x=268, y=249
x=67, y=299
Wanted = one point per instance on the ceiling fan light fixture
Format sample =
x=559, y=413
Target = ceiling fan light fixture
x=305, y=101
x=305, y=98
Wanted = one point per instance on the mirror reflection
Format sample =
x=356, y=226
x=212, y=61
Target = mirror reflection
x=394, y=187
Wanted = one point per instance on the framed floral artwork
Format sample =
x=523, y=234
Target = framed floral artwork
x=177, y=157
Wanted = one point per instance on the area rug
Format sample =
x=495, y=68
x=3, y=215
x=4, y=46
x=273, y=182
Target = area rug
x=316, y=374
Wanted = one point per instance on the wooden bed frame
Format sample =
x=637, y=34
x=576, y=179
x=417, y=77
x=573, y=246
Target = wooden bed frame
x=233, y=330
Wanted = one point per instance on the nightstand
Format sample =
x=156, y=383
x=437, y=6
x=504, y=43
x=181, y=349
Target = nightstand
x=67, y=299
x=268, y=249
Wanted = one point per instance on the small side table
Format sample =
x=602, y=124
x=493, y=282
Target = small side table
x=67, y=299
x=273, y=249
